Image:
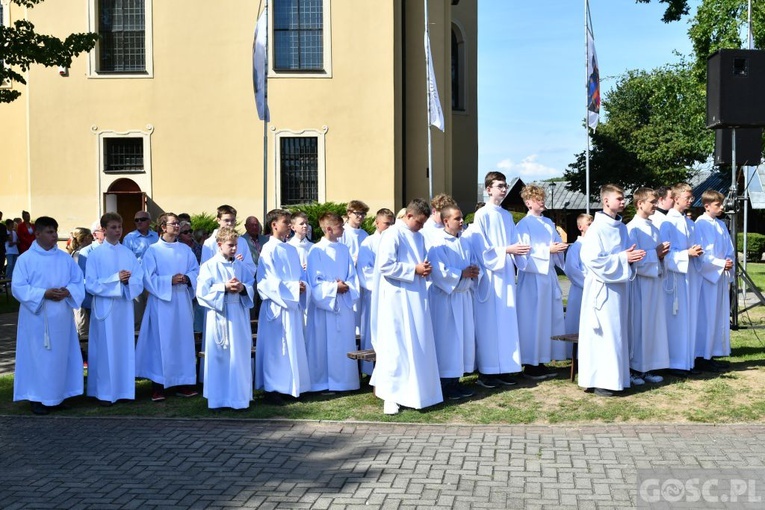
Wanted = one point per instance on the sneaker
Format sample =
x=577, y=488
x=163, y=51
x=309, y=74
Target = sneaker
x=464, y=390
x=390, y=407
x=186, y=393
x=39, y=408
x=452, y=393
x=636, y=380
x=603, y=393
x=652, y=378
x=488, y=382
x=535, y=372
x=158, y=396
x=506, y=380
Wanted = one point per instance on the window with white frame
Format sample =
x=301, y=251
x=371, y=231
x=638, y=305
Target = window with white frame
x=299, y=169
x=300, y=37
x=125, y=37
x=124, y=154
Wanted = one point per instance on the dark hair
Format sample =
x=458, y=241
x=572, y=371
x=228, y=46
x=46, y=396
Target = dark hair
x=184, y=217
x=44, y=222
x=110, y=216
x=418, y=206
x=493, y=176
x=225, y=209
x=273, y=215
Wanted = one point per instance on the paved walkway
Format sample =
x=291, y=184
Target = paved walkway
x=142, y=463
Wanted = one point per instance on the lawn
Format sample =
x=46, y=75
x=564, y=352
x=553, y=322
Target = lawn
x=737, y=395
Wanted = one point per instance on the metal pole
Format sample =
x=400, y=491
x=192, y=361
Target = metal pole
x=733, y=227
x=427, y=102
x=265, y=134
x=586, y=114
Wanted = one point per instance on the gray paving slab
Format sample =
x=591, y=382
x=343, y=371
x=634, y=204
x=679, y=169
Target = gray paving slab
x=63, y=462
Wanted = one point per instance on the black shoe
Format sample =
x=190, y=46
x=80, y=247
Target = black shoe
x=488, y=381
x=707, y=365
x=679, y=373
x=39, y=408
x=535, y=372
x=694, y=371
x=603, y=393
x=506, y=380
x=274, y=398
x=105, y=403
x=464, y=390
x=452, y=393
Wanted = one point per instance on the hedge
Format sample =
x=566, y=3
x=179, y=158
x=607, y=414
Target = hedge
x=755, y=246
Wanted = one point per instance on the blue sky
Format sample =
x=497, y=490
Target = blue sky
x=531, y=96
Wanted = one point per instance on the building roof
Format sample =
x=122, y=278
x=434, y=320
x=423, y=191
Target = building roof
x=559, y=197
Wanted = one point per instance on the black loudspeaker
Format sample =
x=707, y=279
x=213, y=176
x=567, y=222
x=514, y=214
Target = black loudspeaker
x=735, y=85
x=748, y=146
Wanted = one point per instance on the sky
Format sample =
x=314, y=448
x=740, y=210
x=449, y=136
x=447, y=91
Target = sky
x=531, y=74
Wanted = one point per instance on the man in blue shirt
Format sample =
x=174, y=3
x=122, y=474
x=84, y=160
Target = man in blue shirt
x=138, y=241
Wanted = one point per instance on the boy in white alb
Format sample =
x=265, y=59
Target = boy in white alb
x=681, y=282
x=495, y=244
x=604, y=364
x=365, y=266
x=299, y=239
x=281, y=364
x=225, y=290
x=716, y=268
x=331, y=326
x=114, y=278
x=575, y=271
x=455, y=272
x=649, y=348
x=540, y=299
x=48, y=285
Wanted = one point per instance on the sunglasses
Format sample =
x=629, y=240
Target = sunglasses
x=140, y=220
x=185, y=232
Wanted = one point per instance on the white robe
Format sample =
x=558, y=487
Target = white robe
x=496, y=324
x=365, y=269
x=603, y=340
x=575, y=272
x=681, y=286
x=165, y=350
x=713, y=330
x=303, y=247
x=48, y=357
x=432, y=232
x=649, y=347
x=406, y=371
x=657, y=218
x=210, y=249
x=281, y=364
x=451, y=304
x=111, y=345
x=540, y=299
x=331, y=329
x=228, y=336
x=352, y=238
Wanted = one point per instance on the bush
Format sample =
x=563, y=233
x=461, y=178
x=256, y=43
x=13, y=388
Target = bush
x=204, y=221
x=315, y=210
x=755, y=246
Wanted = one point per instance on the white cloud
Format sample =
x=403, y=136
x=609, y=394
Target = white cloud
x=528, y=169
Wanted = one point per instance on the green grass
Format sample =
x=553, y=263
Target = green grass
x=735, y=396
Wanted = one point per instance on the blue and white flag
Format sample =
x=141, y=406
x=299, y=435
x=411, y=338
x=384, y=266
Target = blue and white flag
x=593, y=78
x=259, y=65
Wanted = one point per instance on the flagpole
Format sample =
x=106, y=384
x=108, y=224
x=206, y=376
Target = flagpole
x=265, y=130
x=427, y=102
x=586, y=110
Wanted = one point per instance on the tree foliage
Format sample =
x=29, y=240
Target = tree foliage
x=21, y=47
x=676, y=9
x=654, y=132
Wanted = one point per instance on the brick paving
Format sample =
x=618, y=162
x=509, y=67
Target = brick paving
x=104, y=463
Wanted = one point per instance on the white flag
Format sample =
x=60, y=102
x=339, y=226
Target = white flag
x=436, y=114
x=593, y=83
x=259, y=68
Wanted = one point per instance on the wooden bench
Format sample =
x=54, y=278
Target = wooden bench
x=574, y=339
x=363, y=355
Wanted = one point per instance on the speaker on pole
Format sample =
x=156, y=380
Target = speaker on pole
x=748, y=146
x=735, y=85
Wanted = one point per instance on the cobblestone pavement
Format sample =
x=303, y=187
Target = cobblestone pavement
x=104, y=463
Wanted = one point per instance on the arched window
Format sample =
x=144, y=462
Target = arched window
x=458, y=69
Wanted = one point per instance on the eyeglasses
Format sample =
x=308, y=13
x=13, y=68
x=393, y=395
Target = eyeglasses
x=185, y=232
x=174, y=224
x=359, y=213
x=140, y=220
x=500, y=186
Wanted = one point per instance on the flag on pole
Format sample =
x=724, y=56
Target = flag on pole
x=434, y=103
x=259, y=68
x=593, y=77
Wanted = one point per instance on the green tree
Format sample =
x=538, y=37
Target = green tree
x=654, y=131
x=21, y=47
x=676, y=9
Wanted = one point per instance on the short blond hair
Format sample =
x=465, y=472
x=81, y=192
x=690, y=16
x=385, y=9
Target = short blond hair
x=710, y=196
x=607, y=189
x=679, y=188
x=226, y=234
x=531, y=192
x=643, y=194
x=582, y=218
x=442, y=200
